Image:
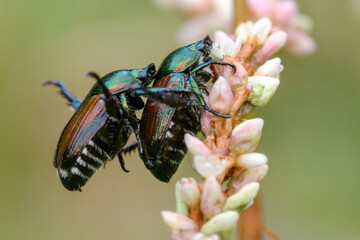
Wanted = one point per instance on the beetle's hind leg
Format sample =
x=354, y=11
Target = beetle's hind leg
x=72, y=101
x=126, y=150
x=122, y=162
x=130, y=147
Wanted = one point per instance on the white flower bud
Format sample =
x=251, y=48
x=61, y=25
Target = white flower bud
x=270, y=68
x=302, y=22
x=243, y=197
x=244, y=30
x=211, y=198
x=181, y=207
x=201, y=236
x=220, y=223
x=178, y=222
x=210, y=166
x=251, y=160
x=261, y=29
x=264, y=89
x=246, y=136
x=189, y=191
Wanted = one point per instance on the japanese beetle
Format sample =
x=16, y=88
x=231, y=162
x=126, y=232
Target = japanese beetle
x=102, y=123
x=162, y=127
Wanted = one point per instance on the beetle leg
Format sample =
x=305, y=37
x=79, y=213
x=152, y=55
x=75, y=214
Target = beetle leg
x=72, y=101
x=112, y=106
x=153, y=91
x=163, y=94
x=207, y=58
x=126, y=150
x=213, y=61
x=122, y=162
x=198, y=94
x=133, y=121
x=130, y=147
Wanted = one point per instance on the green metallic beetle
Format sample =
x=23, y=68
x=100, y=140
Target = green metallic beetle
x=162, y=127
x=102, y=123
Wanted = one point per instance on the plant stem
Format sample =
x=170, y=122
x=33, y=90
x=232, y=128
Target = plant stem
x=240, y=12
x=250, y=222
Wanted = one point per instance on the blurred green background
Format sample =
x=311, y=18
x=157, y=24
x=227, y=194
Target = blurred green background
x=310, y=137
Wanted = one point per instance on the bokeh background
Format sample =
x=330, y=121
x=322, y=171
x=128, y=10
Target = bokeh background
x=311, y=133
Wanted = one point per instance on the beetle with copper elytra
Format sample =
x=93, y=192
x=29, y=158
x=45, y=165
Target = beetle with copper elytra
x=162, y=127
x=102, y=123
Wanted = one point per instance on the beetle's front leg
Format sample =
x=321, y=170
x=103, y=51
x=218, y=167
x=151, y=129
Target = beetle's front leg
x=171, y=97
x=72, y=101
x=198, y=94
x=216, y=61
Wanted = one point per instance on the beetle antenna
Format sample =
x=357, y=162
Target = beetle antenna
x=101, y=83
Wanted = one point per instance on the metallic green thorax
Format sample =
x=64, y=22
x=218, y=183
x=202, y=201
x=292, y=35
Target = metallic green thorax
x=119, y=81
x=181, y=59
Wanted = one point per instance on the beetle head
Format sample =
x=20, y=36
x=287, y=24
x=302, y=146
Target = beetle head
x=205, y=46
x=147, y=74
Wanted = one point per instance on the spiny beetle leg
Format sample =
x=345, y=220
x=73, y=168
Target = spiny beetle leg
x=207, y=58
x=213, y=61
x=198, y=94
x=112, y=106
x=164, y=94
x=216, y=113
x=130, y=147
x=122, y=162
x=72, y=101
x=126, y=150
x=153, y=91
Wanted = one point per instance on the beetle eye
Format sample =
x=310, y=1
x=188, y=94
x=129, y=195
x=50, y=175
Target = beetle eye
x=142, y=74
x=200, y=47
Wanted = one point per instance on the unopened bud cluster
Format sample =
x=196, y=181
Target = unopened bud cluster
x=206, y=15
x=228, y=160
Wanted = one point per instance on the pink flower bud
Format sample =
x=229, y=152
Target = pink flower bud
x=270, y=68
x=285, y=11
x=250, y=175
x=189, y=191
x=179, y=222
x=195, y=146
x=275, y=41
x=260, y=8
x=300, y=43
x=211, y=198
x=219, y=36
x=221, y=96
x=237, y=79
x=246, y=136
x=181, y=227
x=208, y=166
